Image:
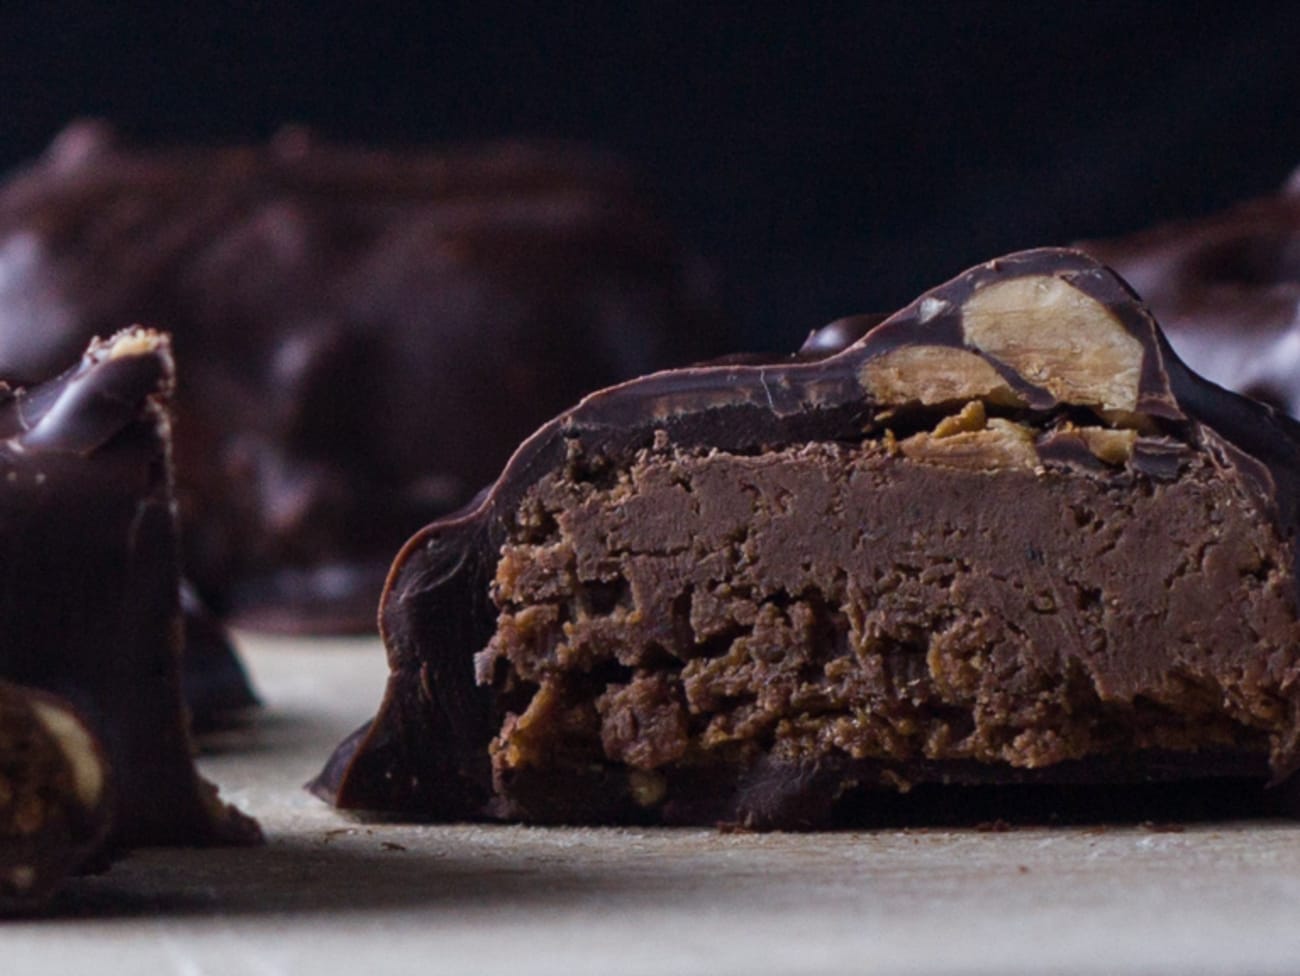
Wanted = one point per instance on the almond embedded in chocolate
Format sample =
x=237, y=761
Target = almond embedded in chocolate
x=1056, y=336
x=54, y=796
x=934, y=374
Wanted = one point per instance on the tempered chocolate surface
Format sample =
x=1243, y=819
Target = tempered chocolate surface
x=1226, y=288
x=365, y=335
x=89, y=602
x=992, y=540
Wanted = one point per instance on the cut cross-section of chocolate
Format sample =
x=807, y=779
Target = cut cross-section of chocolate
x=54, y=795
x=90, y=599
x=1004, y=536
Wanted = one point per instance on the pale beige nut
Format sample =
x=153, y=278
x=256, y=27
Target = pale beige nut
x=1139, y=422
x=517, y=746
x=1057, y=338
x=972, y=417
x=934, y=374
x=133, y=342
x=1109, y=446
x=78, y=749
x=647, y=788
x=1001, y=445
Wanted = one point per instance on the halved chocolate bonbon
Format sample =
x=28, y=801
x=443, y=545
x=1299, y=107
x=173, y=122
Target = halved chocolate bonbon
x=1004, y=536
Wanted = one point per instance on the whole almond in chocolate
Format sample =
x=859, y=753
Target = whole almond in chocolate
x=1004, y=536
x=54, y=795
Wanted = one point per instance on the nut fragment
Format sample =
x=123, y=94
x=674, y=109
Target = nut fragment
x=647, y=788
x=1057, y=338
x=972, y=417
x=934, y=374
x=133, y=342
x=52, y=811
x=1002, y=444
x=78, y=749
x=1109, y=446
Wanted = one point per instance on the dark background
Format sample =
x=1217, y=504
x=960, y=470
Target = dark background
x=827, y=158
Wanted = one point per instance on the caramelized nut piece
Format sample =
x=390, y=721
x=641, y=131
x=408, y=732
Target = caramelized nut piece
x=1002, y=444
x=129, y=342
x=934, y=374
x=80, y=751
x=1109, y=446
x=53, y=795
x=1057, y=338
x=972, y=417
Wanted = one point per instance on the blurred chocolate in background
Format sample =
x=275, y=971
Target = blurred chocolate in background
x=829, y=158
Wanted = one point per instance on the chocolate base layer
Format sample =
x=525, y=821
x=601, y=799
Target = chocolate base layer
x=1226, y=288
x=89, y=602
x=1004, y=536
x=842, y=792
x=340, y=315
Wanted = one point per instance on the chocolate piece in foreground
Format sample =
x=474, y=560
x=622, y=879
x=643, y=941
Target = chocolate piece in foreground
x=89, y=606
x=340, y=314
x=54, y=793
x=1226, y=288
x=1004, y=537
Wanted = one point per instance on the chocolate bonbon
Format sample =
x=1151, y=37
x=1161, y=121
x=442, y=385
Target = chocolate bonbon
x=365, y=334
x=1005, y=536
x=90, y=600
x=1226, y=288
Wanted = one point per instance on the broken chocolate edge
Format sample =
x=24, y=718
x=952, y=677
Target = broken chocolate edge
x=122, y=383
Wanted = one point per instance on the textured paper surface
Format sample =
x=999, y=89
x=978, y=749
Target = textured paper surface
x=330, y=895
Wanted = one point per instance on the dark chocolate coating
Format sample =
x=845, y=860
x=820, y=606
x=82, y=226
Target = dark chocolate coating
x=1226, y=289
x=55, y=806
x=426, y=754
x=365, y=336
x=90, y=604
x=214, y=683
